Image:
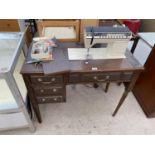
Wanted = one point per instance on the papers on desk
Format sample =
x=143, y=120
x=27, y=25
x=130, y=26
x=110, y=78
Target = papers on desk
x=59, y=64
x=94, y=53
x=42, y=49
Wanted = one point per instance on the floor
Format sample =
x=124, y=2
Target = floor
x=89, y=111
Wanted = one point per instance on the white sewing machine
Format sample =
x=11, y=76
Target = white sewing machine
x=114, y=38
x=113, y=41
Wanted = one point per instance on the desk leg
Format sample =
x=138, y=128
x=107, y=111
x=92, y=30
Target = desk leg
x=107, y=87
x=127, y=90
x=120, y=102
x=33, y=101
x=37, y=112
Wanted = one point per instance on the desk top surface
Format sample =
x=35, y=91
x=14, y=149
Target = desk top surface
x=61, y=64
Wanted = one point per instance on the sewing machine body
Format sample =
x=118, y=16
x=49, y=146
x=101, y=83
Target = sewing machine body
x=115, y=39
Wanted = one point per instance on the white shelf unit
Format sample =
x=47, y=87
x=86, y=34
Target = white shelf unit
x=13, y=93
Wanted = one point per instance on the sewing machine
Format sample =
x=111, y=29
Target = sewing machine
x=106, y=42
x=114, y=38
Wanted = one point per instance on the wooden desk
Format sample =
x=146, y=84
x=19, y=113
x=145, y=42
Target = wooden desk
x=52, y=87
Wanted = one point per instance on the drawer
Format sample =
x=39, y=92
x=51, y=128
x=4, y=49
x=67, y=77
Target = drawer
x=48, y=90
x=49, y=99
x=74, y=78
x=100, y=77
x=126, y=76
x=105, y=77
x=46, y=80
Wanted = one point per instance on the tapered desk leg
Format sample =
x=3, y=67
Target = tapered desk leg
x=120, y=102
x=127, y=90
x=107, y=87
x=37, y=112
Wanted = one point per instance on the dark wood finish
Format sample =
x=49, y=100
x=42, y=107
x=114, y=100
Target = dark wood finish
x=135, y=40
x=48, y=90
x=107, y=87
x=144, y=89
x=60, y=63
x=105, y=77
x=109, y=70
x=127, y=90
x=32, y=98
x=50, y=99
x=46, y=80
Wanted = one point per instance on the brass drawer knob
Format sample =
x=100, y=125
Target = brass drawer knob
x=54, y=90
x=55, y=99
x=41, y=90
x=95, y=77
x=43, y=99
x=39, y=79
x=107, y=77
x=52, y=79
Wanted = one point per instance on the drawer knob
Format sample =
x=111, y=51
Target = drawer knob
x=54, y=90
x=39, y=79
x=95, y=77
x=41, y=90
x=43, y=99
x=55, y=99
x=53, y=79
x=107, y=77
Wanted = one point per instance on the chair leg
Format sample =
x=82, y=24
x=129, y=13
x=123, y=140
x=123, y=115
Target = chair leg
x=107, y=87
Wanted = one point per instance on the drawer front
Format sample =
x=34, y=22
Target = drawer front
x=100, y=77
x=46, y=80
x=126, y=76
x=49, y=99
x=48, y=90
x=74, y=78
x=106, y=77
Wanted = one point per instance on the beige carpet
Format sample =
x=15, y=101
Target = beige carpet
x=89, y=111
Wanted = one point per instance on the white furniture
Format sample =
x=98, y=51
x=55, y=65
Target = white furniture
x=13, y=93
x=63, y=30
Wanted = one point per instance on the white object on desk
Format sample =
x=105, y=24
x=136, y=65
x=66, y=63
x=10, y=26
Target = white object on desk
x=95, y=53
x=60, y=32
